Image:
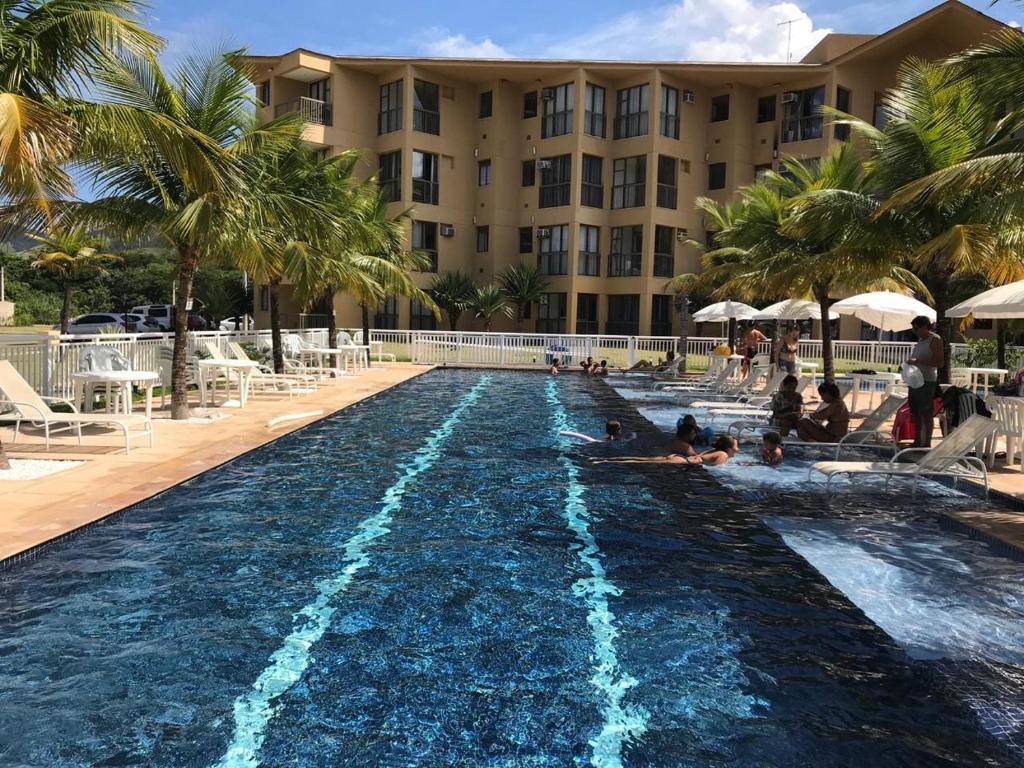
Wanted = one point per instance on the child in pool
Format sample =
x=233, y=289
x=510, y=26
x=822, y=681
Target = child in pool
x=722, y=449
x=703, y=436
x=554, y=367
x=771, y=449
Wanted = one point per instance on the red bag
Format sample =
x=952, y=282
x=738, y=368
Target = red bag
x=903, y=426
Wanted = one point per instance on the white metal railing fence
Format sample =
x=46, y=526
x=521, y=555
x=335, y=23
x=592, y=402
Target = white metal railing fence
x=48, y=361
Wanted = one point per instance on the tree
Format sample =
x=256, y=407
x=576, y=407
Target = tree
x=453, y=292
x=931, y=165
x=523, y=285
x=51, y=53
x=488, y=302
x=70, y=256
x=189, y=185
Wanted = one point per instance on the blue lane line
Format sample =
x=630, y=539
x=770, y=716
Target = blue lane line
x=621, y=723
x=255, y=709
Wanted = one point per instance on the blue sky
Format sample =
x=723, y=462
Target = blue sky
x=671, y=29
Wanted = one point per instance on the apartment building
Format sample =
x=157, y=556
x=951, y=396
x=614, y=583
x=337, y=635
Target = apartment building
x=588, y=169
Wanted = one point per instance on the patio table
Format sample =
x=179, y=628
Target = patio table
x=85, y=383
x=242, y=369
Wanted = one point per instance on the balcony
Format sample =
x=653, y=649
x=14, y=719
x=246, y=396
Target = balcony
x=310, y=110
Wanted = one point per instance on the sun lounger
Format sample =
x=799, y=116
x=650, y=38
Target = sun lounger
x=753, y=399
x=266, y=380
x=716, y=384
x=950, y=458
x=25, y=405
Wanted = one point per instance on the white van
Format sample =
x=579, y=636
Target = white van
x=163, y=314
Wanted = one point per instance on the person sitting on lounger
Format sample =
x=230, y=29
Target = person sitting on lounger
x=771, y=449
x=787, y=405
x=830, y=422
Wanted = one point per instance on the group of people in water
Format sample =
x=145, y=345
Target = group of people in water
x=589, y=366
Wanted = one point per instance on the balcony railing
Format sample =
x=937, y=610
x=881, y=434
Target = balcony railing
x=310, y=110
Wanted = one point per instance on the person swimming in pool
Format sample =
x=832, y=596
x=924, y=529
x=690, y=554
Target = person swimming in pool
x=771, y=449
x=723, y=449
x=603, y=369
x=685, y=437
x=612, y=434
x=704, y=436
x=554, y=367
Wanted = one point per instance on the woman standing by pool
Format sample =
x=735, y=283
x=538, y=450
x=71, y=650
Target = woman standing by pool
x=785, y=356
x=928, y=355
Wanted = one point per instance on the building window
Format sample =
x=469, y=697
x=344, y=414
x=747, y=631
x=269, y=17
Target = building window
x=879, y=115
x=426, y=111
x=668, y=184
x=801, y=114
x=669, y=112
x=629, y=178
x=760, y=171
x=766, y=109
x=389, y=118
x=661, y=315
x=551, y=313
x=555, y=178
x=623, y=315
x=664, y=251
x=558, y=110
x=483, y=239
x=424, y=239
x=420, y=317
x=529, y=104
x=627, y=251
x=263, y=93
x=390, y=176
x=526, y=239
x=586, y=314
x=529, y=173
x=320, y=90
x=589, y=251
x=716, y=176
x=593, y=111
x=264, y=298
x=632, y=116
x=844, y=100
x=386, y=316
x=553, y=258
x=719, y=108
x=425, y=186
x=486, y=104
x=483, y=173
x=592, y=185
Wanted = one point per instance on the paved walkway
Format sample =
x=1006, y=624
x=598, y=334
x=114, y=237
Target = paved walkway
x=34, y=512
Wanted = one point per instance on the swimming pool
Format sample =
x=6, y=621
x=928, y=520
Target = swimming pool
x=433, y=577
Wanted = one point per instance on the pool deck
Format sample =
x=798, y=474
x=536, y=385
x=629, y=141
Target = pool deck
x=33, y=512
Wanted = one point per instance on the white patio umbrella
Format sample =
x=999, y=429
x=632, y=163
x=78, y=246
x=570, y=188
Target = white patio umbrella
x=1002, y=303
x=793, y=309
x=885, y=310
x=724, y=311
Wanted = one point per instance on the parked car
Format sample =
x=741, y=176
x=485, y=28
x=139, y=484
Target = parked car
x=232, y=324
x=162, y=313
x=199, y=323
x=108, y=322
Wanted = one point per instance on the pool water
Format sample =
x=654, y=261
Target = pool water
x=435, y=578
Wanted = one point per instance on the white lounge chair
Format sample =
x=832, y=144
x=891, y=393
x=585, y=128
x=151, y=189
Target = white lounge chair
x=948, y=459
x=720, y=380
x=24, y=404
x=753, y=399
x=266, y=380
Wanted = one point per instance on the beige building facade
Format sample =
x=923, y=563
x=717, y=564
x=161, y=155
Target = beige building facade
x=588, y=169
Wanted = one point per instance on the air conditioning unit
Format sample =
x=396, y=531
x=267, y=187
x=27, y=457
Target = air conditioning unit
x=682, y=234
x=447, y=230
x=547, y=94
x=789, y=97
x=688, y=97
x=543, y=233
x=543, y=165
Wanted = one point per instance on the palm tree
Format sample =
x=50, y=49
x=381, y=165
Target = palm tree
x=51, y=53
x=70, y=256
x=453, y=292
x=931, y=163
x=488, y=302
x=523, y=284
x=190, y=186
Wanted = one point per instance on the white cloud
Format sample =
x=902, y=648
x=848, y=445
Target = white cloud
x=689, y=30
x=460, y=46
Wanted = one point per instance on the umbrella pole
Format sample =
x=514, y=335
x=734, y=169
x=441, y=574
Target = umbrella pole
x=1000, y=328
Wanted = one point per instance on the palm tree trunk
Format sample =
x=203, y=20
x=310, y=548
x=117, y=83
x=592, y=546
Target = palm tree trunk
x=1000, y=343
x=821, y=294
x=943, y=326
x=276, y=343
x=4, y=463
x=366, y=327
x=684, y=329
x=188, y=264
x=453, y=321
x=731, y=332
x=332, y=320
x=519, y=318
x=65, y=308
